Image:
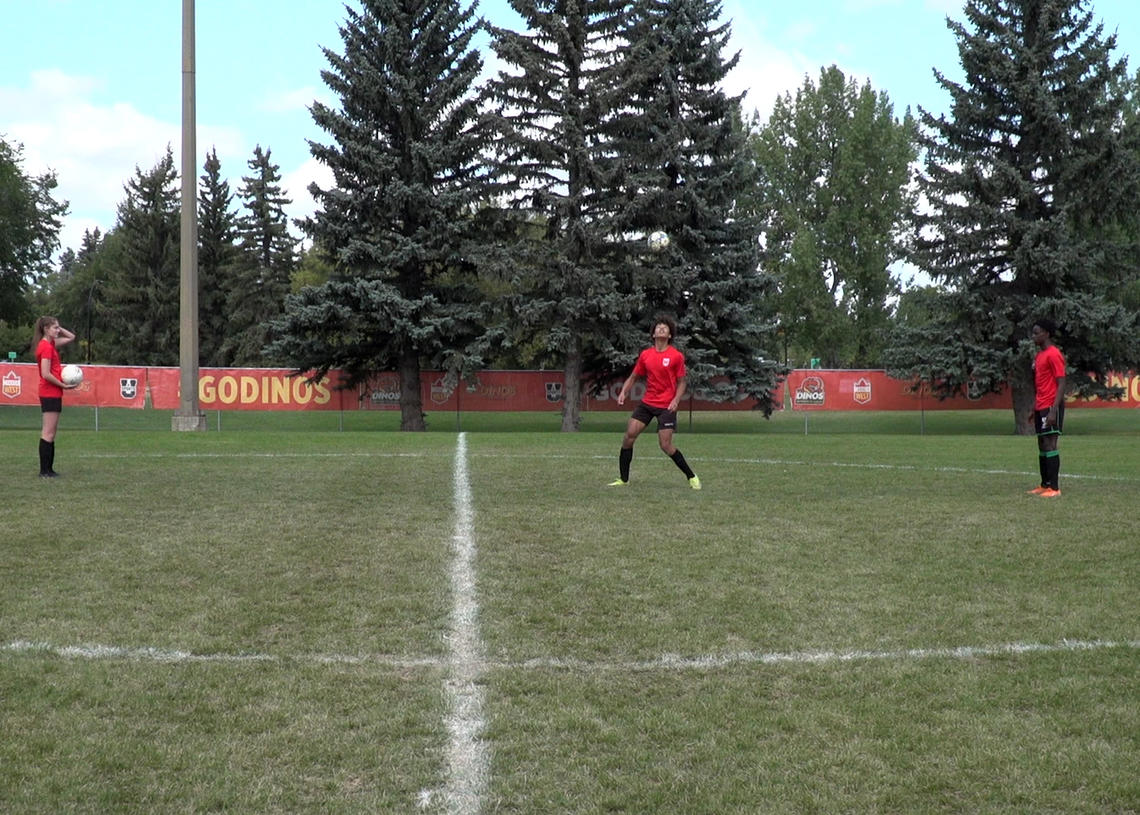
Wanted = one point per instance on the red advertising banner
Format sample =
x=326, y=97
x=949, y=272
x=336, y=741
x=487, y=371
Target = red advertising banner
x=277, y=389
x=250, y=389
x=512, y=390
x=1129, y=382
x=874, y=390
x=103, y=386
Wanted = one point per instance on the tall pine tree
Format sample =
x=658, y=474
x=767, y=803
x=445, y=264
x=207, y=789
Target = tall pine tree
x=685, y=167
x=266, y=261
x=217, y=259
x=1031, y=183
x=571, y=287
x=406, y=158
x=141, y=300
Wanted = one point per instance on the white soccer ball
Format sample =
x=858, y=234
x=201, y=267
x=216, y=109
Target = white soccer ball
x=71, y=374
x=658, y=241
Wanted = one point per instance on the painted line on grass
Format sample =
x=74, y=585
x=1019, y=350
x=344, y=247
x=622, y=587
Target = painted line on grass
x=172, y=655
x=906, y=468
x=707, y=662
x=468, y=759
x=767, y=462
x=665, y=662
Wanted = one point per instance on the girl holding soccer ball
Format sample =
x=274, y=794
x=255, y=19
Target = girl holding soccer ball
x=48, y=338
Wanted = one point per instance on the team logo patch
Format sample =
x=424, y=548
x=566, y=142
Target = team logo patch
x=664, y=362
x=128, y=387
x=12, y=384
x=554, y=391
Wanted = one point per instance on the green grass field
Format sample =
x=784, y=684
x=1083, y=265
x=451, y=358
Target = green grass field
x=308, y=613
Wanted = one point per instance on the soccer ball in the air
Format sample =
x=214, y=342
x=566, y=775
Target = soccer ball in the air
x=658, y=241
x=71, y=374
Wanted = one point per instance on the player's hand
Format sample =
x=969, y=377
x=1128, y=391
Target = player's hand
x=621, y=398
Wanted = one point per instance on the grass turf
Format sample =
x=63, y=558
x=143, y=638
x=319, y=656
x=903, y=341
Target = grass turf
x=273, y=609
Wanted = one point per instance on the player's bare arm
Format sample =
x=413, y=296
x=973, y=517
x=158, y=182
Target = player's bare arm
x=679, y=395
x=626, y=387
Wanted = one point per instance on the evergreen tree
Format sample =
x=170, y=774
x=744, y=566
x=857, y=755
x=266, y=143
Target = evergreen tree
x=835, y=193
x=399, y=223
x=217, y=261
x=141, y=294
x=685, y=167
x=1031, y=182
x=262, y=273
x=29, y=230
x=572, y=289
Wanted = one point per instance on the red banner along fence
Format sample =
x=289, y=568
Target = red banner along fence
x=276, y=389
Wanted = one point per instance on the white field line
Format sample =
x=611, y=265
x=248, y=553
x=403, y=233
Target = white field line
x=468, y=759
x=664, y=663
x=766, y=462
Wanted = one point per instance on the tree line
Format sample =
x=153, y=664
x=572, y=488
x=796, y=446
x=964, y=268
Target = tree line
x=502, y=223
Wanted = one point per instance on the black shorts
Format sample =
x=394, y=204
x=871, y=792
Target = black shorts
x=666, y=419
x=1041, y=422
x=51, y=404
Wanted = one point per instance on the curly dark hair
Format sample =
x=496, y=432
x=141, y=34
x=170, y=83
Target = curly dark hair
x=669, y=321
x=1046, y=325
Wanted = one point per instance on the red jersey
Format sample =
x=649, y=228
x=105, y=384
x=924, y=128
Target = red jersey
x=47, y=350
x=1048, y=367
x=661, y=370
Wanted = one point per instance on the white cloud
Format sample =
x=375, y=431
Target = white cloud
x=297, y=100
x=296, y=186
x=94, y=149
x=766, y=69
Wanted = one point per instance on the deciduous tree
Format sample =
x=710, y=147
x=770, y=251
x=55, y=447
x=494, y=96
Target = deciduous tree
x=29, y=229
x=836, y=196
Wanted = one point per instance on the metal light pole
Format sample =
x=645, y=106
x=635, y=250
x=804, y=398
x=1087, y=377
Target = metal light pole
x=188, y=416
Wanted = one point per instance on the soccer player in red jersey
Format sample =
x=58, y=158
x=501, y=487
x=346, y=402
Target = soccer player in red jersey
x=1048, y=407
x=663, y=368
x=47, y=338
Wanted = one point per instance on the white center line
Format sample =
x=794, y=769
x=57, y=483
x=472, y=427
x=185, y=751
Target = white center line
x=468, y=759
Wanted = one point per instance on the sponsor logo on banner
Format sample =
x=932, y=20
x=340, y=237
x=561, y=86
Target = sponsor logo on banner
x=385, y=390
x=12, y=384
x=862, y=391
x=440, y=392
x=810, y=392
x=553, y=391
x=128, y=387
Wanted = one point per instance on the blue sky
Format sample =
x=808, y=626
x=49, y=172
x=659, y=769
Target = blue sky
x=92, y=88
